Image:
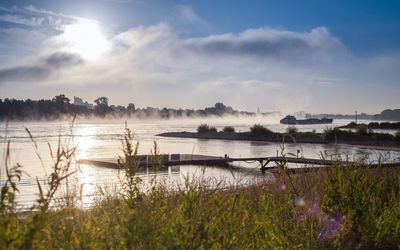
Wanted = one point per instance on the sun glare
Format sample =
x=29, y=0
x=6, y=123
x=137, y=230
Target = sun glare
x=86, y=39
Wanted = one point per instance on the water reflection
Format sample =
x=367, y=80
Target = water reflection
x=103, y=140
x=84, y=141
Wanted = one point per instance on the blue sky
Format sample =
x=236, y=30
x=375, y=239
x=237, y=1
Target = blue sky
x=318, y=56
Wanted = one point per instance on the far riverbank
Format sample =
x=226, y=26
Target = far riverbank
x=331, y=136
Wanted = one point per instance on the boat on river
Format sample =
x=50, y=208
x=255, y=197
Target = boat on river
x=291, y=120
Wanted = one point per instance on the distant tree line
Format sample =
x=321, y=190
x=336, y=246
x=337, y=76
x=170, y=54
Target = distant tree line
x=387, y=114
x=60, y=107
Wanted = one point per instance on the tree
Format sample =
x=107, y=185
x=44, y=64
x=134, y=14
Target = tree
x=62, y=103
x=101, y=101
x=101, y=106
x=61, y=99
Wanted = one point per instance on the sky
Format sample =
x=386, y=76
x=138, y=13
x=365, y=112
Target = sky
x=317, y=56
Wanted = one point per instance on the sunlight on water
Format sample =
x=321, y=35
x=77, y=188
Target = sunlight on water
x=103, y=140
x=84, y=142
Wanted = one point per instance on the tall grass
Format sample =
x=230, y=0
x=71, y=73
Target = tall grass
x=340, y=207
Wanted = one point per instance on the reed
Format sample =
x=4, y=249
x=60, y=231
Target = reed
x=340, y=207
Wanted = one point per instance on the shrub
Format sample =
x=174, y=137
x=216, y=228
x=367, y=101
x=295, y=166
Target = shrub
x=397, y=135
x=292, y=130
x=362, y=129
x=350, y=206
x=330, y=133
x=205, y=128
x=212, y=130
x=228, y=129
x=258, y=129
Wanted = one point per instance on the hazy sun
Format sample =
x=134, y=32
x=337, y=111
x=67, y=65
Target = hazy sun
x=86, y=39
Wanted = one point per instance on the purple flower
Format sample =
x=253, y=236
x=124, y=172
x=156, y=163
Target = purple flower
x=331, y=228
x=314, y=210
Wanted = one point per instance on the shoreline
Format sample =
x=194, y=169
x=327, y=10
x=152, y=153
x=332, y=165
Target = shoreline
x=278, y=138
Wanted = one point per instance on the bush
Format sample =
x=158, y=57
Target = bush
x=397, y=135
x=350, y=206
x=362, y=129
x=331, y=133
x=258, y=129
x=205, y=128
x=212, y=130
x=228, y=129
x=292, y=130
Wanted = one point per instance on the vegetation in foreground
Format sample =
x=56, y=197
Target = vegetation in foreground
x=340, y=207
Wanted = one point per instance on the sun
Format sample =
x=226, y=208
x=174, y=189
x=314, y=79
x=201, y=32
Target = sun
x=86, y=39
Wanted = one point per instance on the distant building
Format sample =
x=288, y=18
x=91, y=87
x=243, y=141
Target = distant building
x=78, y=101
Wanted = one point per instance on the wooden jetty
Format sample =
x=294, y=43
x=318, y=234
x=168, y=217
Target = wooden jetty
x=164, y=160
x=192, y=159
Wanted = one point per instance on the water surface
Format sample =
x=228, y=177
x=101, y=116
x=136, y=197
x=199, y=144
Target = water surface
x=102, y=139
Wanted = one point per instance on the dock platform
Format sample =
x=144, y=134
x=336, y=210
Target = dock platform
x=165, y=160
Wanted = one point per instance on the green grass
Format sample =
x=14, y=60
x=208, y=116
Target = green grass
x=340, y=207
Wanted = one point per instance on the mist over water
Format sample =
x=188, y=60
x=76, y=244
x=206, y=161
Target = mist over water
x=99, y=138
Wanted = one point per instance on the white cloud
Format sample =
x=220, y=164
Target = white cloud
x=31, y=16
x=34, y=21
x=317, y=44
x=273, y=69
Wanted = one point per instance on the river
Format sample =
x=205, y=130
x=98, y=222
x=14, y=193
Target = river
x=102, y=139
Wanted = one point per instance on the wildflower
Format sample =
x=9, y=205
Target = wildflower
x=331, y=228
x=314, y=210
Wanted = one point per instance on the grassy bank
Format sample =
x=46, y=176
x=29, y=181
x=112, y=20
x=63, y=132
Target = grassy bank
x=362, y=136
x=340, y=207
x=373, y=125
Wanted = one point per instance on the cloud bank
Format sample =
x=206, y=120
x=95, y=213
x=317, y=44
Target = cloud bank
x=268, y=43
x=40, y=69
x=270, y=68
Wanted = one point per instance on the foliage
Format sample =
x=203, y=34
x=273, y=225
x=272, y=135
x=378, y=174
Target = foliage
x=205, y=128
x=259, y=130
x=330, y=133
x=228, y=129
x=345, y=207
x=362, y=130
x=374, y=125
x=60, y=107
x=292, y=130
x=397, y=135
x=363, y=134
